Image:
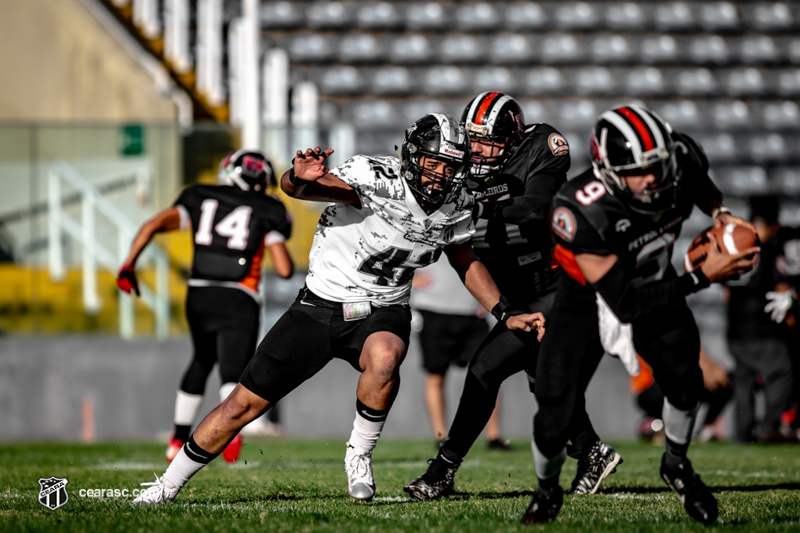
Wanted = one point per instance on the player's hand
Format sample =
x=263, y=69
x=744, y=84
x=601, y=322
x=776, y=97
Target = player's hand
x=720, y=267
x=728, y=218
x=779, y=304
x=527, y=322
x=126, y=280
x=310, y=165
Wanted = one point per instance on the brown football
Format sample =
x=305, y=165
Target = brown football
x=731, y=238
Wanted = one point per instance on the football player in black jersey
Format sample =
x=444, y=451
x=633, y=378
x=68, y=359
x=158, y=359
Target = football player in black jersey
x=614, y=226
x=516, y=171
x=232, y=224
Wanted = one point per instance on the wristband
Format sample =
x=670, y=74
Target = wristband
x=503, y=310
x=717, y=211
x=693, y=281
x=294, y=180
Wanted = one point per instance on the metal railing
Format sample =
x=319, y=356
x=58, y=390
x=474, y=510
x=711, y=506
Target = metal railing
x=94, y=253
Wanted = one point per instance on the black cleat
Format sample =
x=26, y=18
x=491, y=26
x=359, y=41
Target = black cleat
x=693, y=493
x=436, y=482
x=544, y=506
x=594, y=468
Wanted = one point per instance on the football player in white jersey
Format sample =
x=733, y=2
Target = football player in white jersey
x=389, y=217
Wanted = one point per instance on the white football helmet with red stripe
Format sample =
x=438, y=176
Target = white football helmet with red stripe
x=632, y=140
x=493, y=118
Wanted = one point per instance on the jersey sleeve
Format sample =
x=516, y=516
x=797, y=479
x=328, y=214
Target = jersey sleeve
x=573, y=230
x=185, y=204
x=356, y=172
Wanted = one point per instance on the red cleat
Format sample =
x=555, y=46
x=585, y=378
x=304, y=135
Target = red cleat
x=232, y=450
x=173, y=448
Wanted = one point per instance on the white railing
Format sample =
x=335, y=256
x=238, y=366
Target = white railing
x=94, y=253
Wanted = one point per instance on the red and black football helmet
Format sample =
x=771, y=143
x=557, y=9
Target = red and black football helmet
x=248, y=170
x=440, y=137
x=628, y=140
x=493, y=118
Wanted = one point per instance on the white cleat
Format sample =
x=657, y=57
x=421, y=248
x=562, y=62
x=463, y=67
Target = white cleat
x=158, y=493
x=360, y=483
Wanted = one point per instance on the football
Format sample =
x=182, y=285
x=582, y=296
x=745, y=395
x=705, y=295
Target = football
x=731, y=239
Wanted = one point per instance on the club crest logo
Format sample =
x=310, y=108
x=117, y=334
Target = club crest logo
x=563, y=223
x=53, y=492
x=558, y=144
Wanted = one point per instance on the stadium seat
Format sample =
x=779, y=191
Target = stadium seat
x=411, y=110
x=656, y=49
x=493, y=79
x=329, y=113
x=575, y=16
x=578, y=141
x=742, y=82
x=379, y=142
x=607, y=49
x=460, y=49
x=536, y=111
x=378, y=16
x=510, y=49
x=360, y=48
x=768, y=16
x=524, y=16
x=309, y=47
x=392, y=80
x=281, y=16
x=542, y=81
x=692, y=82
x=578, y=115
x=790, y=48
x=343, y=80
x=427, y=16
x=778, y=114
x=642, y=82
x=730, y=114
x=719, y=17
x=719, y=147
x=675, y=17
x=477, y=17
x=591, y=81
x=786, y=180
x=328, y=15
x=742, y=181
x=704, y=50
x=787, y=83
x=757, y=49
x=443, y=81
x=561, y=48
x=768, y=148
x=409, y=49
x=681, y=114
x=626, y=16
x=370, y=113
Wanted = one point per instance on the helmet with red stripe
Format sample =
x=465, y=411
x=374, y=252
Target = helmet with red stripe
x=495, y=120
x=634, y=141
x=248, y=170
x=434, y=159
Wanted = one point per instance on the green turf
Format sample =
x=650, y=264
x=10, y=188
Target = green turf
x=300, y=485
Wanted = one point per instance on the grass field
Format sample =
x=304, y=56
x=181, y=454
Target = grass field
x=300, y=485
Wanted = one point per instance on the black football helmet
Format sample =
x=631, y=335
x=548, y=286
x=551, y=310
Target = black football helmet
x=628, y=140
x=439, y=137
x=493, y=118
x=248, y=170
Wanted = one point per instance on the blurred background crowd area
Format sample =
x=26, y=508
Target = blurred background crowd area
x=111, y=106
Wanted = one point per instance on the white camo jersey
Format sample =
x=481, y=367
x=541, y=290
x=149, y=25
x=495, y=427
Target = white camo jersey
x=371, y=253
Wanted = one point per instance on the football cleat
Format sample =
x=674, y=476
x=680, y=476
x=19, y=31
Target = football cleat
x=544, y=506
x=499, y=444
x=594, y=468
x=232, y=450
x=693, y=493
x=158, y=493
x=436, y=482
x=173, y=448
x=360, y=483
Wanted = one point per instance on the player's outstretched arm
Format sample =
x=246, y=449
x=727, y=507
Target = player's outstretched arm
x=281, y=259
x=310, y=179
x=167, y=220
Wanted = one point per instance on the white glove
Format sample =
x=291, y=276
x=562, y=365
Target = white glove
x=779, y=304
x=617, y=337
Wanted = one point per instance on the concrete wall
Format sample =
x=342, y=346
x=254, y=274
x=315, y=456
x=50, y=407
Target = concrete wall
x=60, y=64
x=44, y=381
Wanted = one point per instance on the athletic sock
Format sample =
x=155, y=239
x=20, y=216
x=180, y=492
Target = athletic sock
x=186, y=406
x=678, y=426
x=225, y=390
x=367, y=427
x=187, y=463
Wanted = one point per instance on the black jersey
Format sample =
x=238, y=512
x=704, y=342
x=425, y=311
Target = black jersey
x=229, y=230
x=586, y=218
x=512, y=237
